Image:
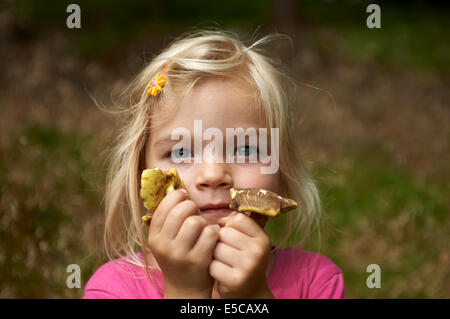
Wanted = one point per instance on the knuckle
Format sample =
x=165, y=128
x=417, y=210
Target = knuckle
x=264, y=242
x=190, y=222
x=239, y=278
x=267, y=245
x=177, y=212
x=212, y=266
x=193, y=222
x=258, y=251
x=267, y=241
x=211, y=232
x=191, y=204
x=203, y=222
x=248, y=264
x=220, y=248
x=172, y=198
x=225, y=232
x=177, y=195
x=240, y=218
x=183, y=208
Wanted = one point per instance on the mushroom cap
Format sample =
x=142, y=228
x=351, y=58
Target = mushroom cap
x=155, y=184
x=260, y=201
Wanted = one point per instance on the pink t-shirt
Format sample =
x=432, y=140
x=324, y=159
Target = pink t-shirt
x=295, y=274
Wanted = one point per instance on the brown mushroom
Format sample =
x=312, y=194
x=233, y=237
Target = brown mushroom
x=261, y=203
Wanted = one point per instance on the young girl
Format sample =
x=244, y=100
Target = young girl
x=195, y=246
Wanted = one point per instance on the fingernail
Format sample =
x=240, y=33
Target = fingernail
x=183, y=191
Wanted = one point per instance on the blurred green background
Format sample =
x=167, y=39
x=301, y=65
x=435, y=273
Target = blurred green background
x=374, y=128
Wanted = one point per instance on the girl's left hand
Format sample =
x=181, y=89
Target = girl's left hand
x=241, y=258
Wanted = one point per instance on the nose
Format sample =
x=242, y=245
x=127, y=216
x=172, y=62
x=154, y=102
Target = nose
x=213, y=175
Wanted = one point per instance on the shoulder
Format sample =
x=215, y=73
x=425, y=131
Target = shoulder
x=116, y=279
x=315, y=274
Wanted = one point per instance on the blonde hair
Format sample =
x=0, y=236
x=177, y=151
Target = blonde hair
x=191, y=58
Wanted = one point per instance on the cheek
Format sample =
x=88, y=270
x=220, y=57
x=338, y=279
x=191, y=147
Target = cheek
x=149, y=157
x=252, y=178
x=152, y=161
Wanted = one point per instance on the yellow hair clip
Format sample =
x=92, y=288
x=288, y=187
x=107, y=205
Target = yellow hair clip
x=157, y=83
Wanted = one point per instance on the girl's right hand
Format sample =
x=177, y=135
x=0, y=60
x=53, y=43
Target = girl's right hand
x=182, y=243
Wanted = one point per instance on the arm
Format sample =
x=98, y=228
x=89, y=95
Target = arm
x=329, y=286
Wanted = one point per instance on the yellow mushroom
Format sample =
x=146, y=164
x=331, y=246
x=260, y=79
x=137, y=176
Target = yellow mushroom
x=155, y=184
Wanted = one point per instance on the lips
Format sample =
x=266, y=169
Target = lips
x=220, y=209
x=216, y=211
x=214, y=205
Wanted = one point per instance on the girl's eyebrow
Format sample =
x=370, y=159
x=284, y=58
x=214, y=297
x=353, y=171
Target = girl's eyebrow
x=164, y=141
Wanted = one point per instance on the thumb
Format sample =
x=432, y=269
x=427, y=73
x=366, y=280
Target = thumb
x=222, y=221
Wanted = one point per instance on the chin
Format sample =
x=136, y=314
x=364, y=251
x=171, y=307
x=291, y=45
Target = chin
x=212, y=220
x=214, y=215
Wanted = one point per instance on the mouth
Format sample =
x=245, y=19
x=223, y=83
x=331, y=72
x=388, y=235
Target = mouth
x=222, y=211
x=218, y=215
x=215, y=211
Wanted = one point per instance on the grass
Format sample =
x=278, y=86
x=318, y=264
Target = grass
x=48, y=191
x=378, y=213
x=410, y=36
x=112, y=25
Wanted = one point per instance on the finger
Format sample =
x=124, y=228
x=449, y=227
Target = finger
x=245, y=224
x=178, y=215
x=207, y=241
x=227, y=254
x=190, y=231
x=233, y=237
x=163, y=209
x=222, y=221
x=220, y=271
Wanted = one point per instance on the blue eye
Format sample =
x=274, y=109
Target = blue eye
x=245, y=150
x=180, y=153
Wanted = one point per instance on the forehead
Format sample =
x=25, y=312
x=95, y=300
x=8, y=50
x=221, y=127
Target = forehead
x=217, y=102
